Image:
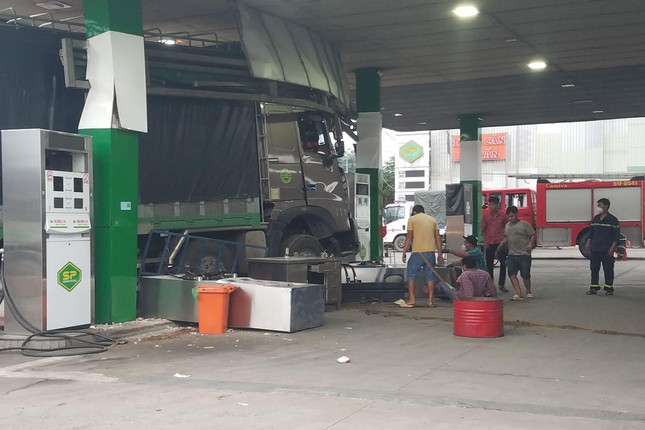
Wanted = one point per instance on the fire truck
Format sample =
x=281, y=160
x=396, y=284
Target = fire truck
x=561, y=211
x=565, y=209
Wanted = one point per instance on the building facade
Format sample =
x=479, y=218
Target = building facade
x=594, y=147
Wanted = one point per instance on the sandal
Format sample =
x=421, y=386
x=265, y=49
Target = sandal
x=407, y=305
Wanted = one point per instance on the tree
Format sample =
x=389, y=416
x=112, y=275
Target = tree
x=387, y=184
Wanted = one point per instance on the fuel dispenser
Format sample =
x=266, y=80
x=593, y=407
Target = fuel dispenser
x=47, y=205
x=362, y=215
x=359, y=207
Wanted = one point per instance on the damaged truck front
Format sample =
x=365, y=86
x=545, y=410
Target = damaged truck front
x=227, y=156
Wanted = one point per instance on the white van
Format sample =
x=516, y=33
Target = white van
x=395, y=221
x=397, y=214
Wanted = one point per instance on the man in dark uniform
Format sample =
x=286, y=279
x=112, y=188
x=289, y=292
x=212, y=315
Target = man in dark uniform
x=603, y=237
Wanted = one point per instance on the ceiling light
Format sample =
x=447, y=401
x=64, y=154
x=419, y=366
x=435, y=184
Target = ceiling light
x=168, y=41
x=465, y=11
x=583, y=101
x=537, y=65
x=568, y=85
x=53, y=5
x=422, y=123
x=598, y=111
x=398, y=114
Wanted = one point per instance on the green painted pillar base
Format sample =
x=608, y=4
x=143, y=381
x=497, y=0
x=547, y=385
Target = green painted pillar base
x=470, y=127
x=376, y=202
x=115, y=224
x=115, y=284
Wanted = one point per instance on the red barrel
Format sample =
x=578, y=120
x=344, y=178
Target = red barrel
x=479, y=317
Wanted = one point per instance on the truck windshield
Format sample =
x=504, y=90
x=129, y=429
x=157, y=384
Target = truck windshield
x=393, y=213
x=516, y=199
x=314, y=136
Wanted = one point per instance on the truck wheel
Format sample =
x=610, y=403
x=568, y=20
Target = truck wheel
x=582, y=240
x=208, y=259
x=302, y=245
x=399, y=242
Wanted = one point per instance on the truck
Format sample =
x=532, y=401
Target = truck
x=565, y=209
x=561, y=211
x=240, y=159
x=523, y=199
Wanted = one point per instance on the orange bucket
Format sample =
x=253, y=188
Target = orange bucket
x=479, y=317
x=212, y=308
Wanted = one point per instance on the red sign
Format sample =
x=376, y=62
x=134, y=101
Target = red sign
x=493, y=147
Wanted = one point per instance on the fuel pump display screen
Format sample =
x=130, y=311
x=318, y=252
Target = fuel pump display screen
x=58, y=183
x=67, y=196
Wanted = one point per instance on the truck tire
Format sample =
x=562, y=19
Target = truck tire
x=399, y=242
x=302, y=245
x=582, y=240
x=208, y=259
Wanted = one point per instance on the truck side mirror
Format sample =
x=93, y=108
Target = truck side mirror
x=339, y=145
x=340, y=148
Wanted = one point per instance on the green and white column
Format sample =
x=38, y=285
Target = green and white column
x=114, y=113
x=368, y=149
x=470, y=168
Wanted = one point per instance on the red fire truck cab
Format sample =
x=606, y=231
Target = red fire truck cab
x=522, y=198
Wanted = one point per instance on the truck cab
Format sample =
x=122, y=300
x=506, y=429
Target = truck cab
x=522, y=198
x=305, y=200
x=395, y=221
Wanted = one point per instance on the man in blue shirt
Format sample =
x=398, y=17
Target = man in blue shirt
x=602, y=241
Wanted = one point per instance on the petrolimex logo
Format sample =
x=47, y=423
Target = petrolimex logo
x=411, y=151
x=69, y=276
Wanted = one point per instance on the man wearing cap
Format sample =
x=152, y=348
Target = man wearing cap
x=423, y=234
x=469, y=248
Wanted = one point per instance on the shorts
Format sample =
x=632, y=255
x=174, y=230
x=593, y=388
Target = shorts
x=521, y=263
x=416, y=263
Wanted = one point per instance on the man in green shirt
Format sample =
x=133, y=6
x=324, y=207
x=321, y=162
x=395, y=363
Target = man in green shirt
x=469, y=248
x=519, y=237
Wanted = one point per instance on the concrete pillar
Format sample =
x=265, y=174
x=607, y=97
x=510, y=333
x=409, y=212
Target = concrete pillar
x=470, y=169
x=115, y=110
x=368, y=150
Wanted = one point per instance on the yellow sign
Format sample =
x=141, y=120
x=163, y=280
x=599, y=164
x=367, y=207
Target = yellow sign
x=411, y=151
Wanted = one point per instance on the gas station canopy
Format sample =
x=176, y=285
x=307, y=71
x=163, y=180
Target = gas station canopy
x=435, y=65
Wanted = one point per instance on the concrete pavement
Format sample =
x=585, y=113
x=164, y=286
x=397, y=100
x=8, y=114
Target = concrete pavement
x=566, y=361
